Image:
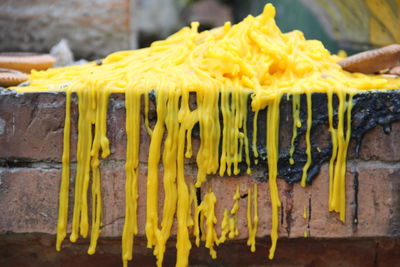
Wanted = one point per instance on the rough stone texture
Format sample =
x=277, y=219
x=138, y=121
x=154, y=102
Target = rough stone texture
x=93, y=28
x=31, y=130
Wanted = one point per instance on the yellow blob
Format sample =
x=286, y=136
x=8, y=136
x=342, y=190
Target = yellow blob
x=229, y=222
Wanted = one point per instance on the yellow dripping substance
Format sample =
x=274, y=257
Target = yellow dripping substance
x=207, y=220
x=229, y=222
x=132, y=99
x=64, y=188
x=308, y=142
x=224, y=65
x=340, y=141
x=296, y=124
x=272, y=151
x=234, y=115
x=153, y=232
x=254, y=139
x=305, y=233
x=252, y=225
x=92, y=113
x=183, y=244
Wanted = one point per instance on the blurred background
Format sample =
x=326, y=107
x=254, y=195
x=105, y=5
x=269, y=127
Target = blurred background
x=94, y=28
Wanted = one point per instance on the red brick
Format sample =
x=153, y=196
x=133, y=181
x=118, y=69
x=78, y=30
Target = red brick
x=28, y=200
x=28, y=250
x=33, y=126
x=376, y=209
x=376, y=145
x=387, y=253
x=225, y=187
x=374, y=203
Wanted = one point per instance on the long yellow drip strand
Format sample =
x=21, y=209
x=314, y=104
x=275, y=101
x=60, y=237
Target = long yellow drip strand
x=153, y=233
x=132, y=173
x=100, y=141
x=170, y=173
x=64, y=187
x=308, y=142
x=334, y=148
x=243, y=112
x=272, y=151
x=234, y=132
x=226, y=140
x=193, y=205
x=338, y=199
x=254, y=139
x=80, y=216
x=183, y=244
x=296, y=124
x=208, y=113
x=252, y=226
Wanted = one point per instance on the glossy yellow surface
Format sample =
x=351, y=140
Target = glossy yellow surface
x=223, y=67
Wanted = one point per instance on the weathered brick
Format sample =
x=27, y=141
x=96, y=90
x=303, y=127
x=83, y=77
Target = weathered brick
x=377, y=208
x=28, y=200
x=38, y=250
x=113, y=193
x=387, y=253
x=33, y=126
x=32, y=130
x=377, y=145
x=224, y=189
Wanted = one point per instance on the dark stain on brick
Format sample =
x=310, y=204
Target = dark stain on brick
x=355, y=201
x=288, y=193
x=394, y=221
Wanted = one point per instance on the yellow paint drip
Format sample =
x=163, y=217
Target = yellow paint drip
x=229, y=222
x=222, y=68
x=308, y=142
x=296, y=123
x=64, y=188
x=206, y=216
x=305, y=233
x=272, y=151
x=252, y=225
x=132, y=99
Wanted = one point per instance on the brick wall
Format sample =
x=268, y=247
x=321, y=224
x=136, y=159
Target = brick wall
x=31, y=130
